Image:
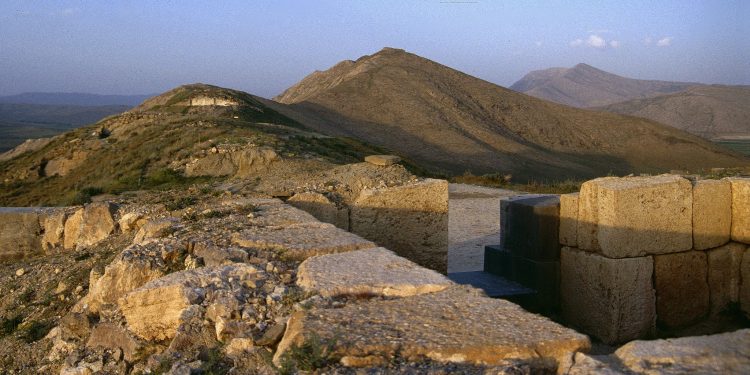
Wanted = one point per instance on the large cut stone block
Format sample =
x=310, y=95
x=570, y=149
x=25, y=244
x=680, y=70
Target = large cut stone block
x=322, y=208
x=712, y=213
x=458, y=324
x=740, y=209
x=724, y=275
x=72, y=229
x=612, y=299
x=97, y=224
x=411, y=220
x=682, y=294
x=569, y=219
x=636, y=216
x=53, y=223
x=745, y=283
x=375, y=271
x=533, y=225
x=20, y=233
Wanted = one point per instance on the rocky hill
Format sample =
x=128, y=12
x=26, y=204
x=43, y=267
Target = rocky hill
x=194, y=133
x=585, y=86
x=452, y=122
x=714, y=111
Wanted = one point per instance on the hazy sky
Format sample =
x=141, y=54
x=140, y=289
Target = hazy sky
x=263, y=47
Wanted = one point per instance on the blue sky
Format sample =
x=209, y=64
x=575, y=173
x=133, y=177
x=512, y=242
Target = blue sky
x=263, y=47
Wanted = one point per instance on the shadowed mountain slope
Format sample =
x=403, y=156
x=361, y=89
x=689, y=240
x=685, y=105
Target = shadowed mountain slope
x=452, y=122
x=585, y=86
x=714, y=111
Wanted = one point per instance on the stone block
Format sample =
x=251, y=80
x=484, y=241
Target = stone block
x=72, y=229
x=53, y=223
x=411, y=220
x=497, y=261
x=459, y=324
x=636, y=216
x=712, y=213
x=322, y=208
x=375, y=271
x=745, y=283
x=111, y=336
x=569, y=219
x=543, y=277
x=724, y=275
x=20, y=233
x=682, y=293
x=612, y=299
x=382, y=160
x=740, y=209
x=97, y=223
x=533, y=225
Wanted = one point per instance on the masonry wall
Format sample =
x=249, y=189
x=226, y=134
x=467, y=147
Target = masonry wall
x=642, y=252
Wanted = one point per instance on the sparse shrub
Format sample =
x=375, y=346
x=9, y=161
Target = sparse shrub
x=9, y=325
x=311, y=355
x=180, y=203
x=34, y=331
x=84, y=195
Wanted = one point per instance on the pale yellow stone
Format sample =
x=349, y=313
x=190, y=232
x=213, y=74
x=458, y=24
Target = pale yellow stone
x=73, y=229
x=712, y=213
x=740, y=209
x=569, y=219
x=724, y=275
x=588, y=214
x=322, y=208
x=682, y=293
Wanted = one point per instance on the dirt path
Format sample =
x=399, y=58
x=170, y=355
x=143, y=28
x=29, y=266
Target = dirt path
x=474, y=221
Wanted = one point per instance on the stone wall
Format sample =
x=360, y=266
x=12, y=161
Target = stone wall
x=642, y=251
x=211, y=101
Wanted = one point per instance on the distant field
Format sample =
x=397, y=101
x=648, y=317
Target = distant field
x=13, y=133
x=739, y=145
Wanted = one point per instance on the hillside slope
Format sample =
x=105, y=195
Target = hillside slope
x=585, y=86
x=452, y=122
x=714, y=111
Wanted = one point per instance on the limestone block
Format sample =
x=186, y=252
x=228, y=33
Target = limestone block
x=131, y=221
x=584, y=364
x=411, y=220
x=569, y=219
x=382, y=160
x=301, y=241
x=712, y=213
x=725, y=353
x=97, y=223
x=375, y=271
x=20, y=233
x=636, y=216
x=155, y=228
x=53, y=223
x=740, y=209
x=458, y=324
x=612, y=299
x=745, y=283
x=533, y=225
x=587, y=231
x=111, y=336
x=322, y=208
x=274, y=213
x=682, y=293
x=724, y=275
x=73, y=229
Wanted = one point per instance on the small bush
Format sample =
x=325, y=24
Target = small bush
x=311, y=355
x=9, y=325
x=35, y=331
x=84, y=195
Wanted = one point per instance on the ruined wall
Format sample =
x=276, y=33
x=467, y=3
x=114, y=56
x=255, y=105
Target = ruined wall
x=642, y=251
x=206, y=100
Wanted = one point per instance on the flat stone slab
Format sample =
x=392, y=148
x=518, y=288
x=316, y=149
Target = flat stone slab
x=375, y=271
x=301, y=241
x=274, y=213
x=726, y=353
x=459, y=324
x=493, y=285
x=382, y=160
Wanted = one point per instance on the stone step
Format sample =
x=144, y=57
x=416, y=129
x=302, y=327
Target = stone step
x=493, y=285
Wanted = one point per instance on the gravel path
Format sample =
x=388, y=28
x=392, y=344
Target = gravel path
x=473, y=222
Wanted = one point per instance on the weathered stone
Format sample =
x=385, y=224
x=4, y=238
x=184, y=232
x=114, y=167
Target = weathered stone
x=725, y=353
x=712, y=213
x=419, y=214
x=301, y=241
x=740, y=209
x=533, y=225
x=745, y=283
x=322, y=208
x=97, y=223
x=724, y=275
x=156, y=310
x=241, y=163
x=110, y=336
x=682, y=294
x=213, y=255
x=53, y=223
x=382, y=160
x=584, y=364
x=375, y=271
x=61, y=166
x=569, y=219
x=73, y=229
x=155, y=228
x=20, y=233
x=272, y=335
x=636, y=216
x=131, y=221
x=274, y=213
x=587, y=230
x=612, y=299
x=459, y=324
x=238, y=347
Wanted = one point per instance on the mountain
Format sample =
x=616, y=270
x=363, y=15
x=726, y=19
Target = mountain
x=585, y=86
x=450, y=122
x=19, y=122
x=710, y=111
x=184, y=136
x=67, y=98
